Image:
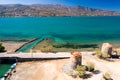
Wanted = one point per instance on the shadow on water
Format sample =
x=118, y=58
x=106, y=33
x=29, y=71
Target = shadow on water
x=5, y=65
x=8, y=60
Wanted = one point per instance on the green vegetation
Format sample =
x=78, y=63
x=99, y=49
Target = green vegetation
x=90, y=66
x=80, y=71
x=2, y=48
x=47, y=48
x=107, y=76
x=117, y=51
x=98, y=52
x=75, y=46
x=49, y=44
x=102, y=55
x=105, y=55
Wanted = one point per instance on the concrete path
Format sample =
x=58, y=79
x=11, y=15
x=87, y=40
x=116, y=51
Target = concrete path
x=37, y=55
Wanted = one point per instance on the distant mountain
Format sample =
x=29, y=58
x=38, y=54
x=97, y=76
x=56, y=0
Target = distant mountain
x=52, y=10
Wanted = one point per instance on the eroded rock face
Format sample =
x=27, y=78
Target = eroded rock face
x=106, y=48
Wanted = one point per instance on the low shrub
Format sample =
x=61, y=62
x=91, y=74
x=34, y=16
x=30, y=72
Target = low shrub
x=2, y=48
x=80, y=71
x=102, y=55
x=98, y=52
x=107, y=76
x=90, y=66
x=47, y=48
x=105, y=55
x=117, y=52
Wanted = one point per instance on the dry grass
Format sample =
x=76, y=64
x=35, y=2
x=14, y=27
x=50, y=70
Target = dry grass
x=106, y=76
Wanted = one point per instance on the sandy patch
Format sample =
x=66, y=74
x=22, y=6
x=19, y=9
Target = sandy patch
x=12, y=46
x=52, y=69
x=103, y=66
x=42, y=70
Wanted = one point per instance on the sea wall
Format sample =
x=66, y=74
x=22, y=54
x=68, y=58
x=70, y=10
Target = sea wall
x=37, y=59
x=7, y=60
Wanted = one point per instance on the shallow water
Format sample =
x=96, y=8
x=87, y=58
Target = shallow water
x=4, y=68
x=82, y=29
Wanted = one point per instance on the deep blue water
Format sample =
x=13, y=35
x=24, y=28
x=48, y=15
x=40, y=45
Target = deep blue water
x=73, y=29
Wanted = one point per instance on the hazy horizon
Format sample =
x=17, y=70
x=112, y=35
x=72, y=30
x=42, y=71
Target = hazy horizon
x=60, y=4
x=101, y=4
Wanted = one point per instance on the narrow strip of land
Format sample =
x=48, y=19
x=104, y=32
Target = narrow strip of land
x=37, y=55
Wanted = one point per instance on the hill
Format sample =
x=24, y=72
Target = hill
x=52, y=10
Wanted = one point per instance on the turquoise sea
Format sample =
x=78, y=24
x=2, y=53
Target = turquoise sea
x=73, y=29
x=61, y=29
x=4, y=68
x=84, y=29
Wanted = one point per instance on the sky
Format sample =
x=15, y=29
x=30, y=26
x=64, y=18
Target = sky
x=102, y=4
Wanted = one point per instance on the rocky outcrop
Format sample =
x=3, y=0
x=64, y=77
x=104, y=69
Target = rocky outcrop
x=52, y=10
x=106, y=48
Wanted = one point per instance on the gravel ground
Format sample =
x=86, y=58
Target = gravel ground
x=103, y=66
x=43, y=70
x=52, y=69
